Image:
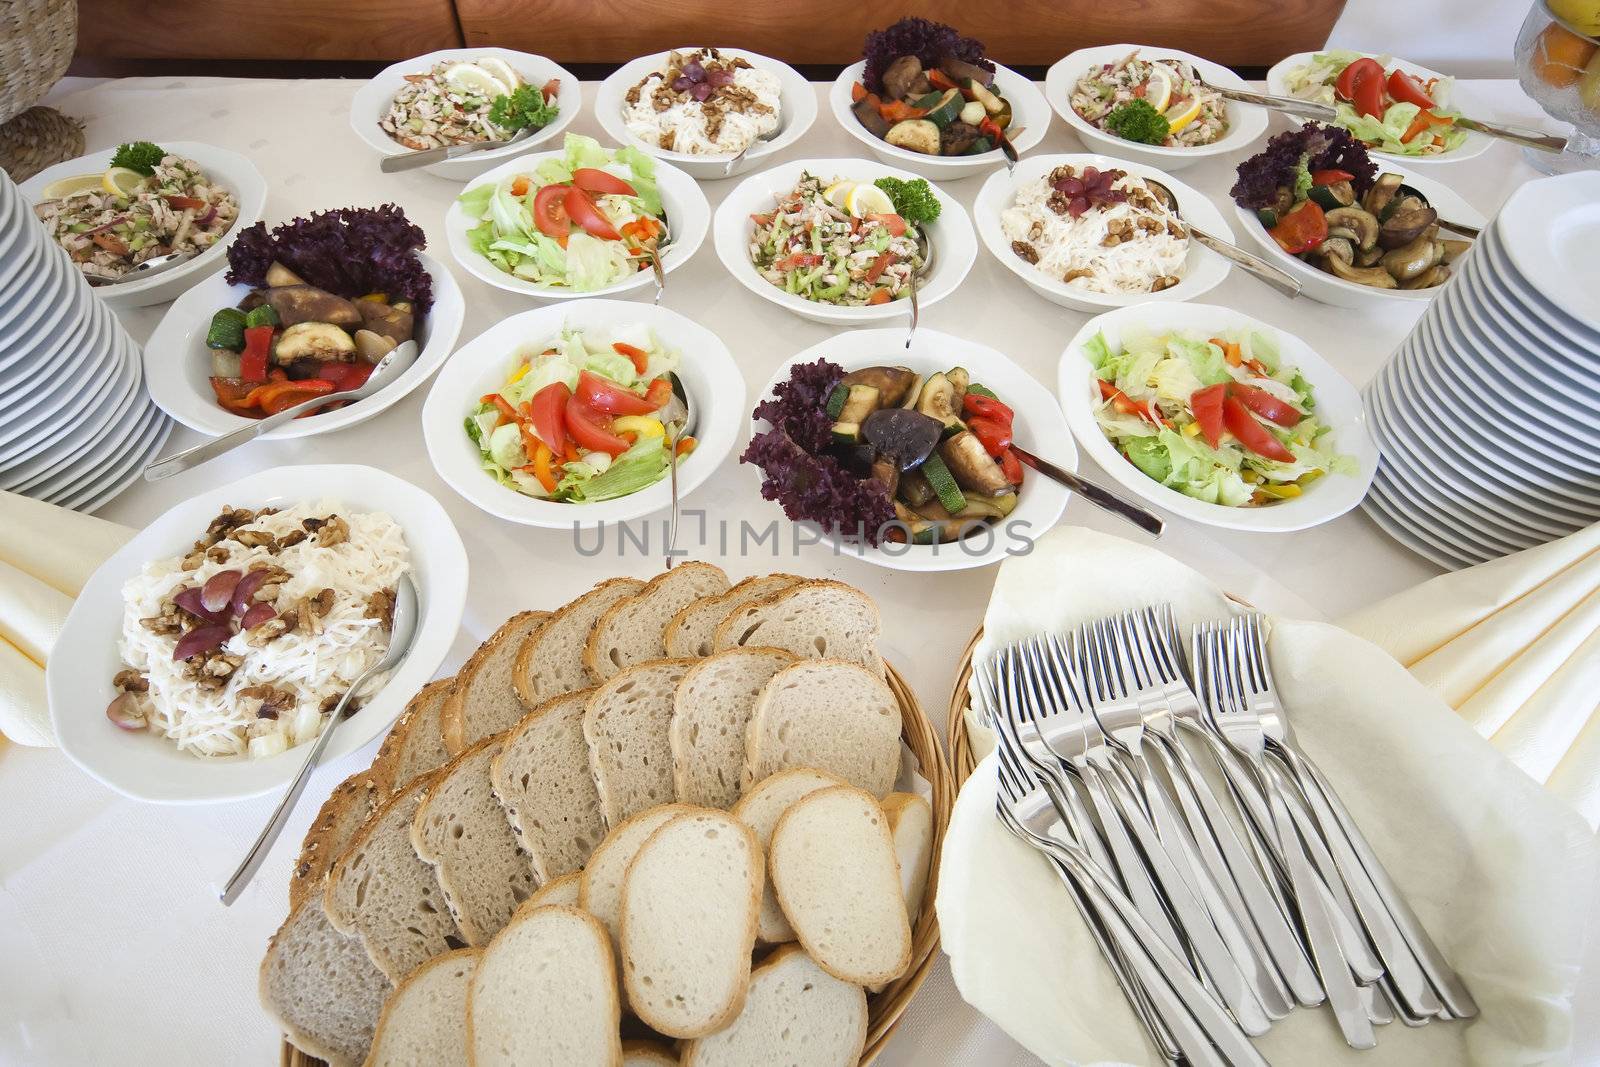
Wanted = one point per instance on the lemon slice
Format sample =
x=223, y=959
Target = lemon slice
x=1158, y=90
x=867, y=200
x=500, y=70
x=837, y=193
x=120, y=181
x=1183, y=113
x=62, y=188
x=471, y=78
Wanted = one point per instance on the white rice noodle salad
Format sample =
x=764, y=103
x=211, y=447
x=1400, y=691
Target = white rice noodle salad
x=703, y=103
x=1192, y=112
x=1100, y=230
x=274, y=613
x=456, y=102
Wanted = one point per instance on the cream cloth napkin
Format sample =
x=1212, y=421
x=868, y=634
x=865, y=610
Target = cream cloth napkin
x=1514, y=646
x=46, y=554
x=1502, y=874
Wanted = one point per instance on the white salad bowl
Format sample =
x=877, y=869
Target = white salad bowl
x=1030, y=117
x=372, y=100
x=1203, y=269
x=1338, y=406
x=1474, y=145
x=797, y=110
x=687, y=212
x=709, y=374
x=227, y=169
x=1038, y=427
x=1245, y=123
x=177, y=363
x=1321, y=286
x=955, y=248
x=146, y=766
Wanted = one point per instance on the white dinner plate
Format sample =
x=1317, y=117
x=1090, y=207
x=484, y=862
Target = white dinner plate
x=1519, y=360
x=1547, y=353
x=21, y=370
x=125, y=467
x=1415, y=537
x=59, y=383
x=39, y=312
x=125, y=473
x=98, y=435
x=1493, y=282
x=1550, y=229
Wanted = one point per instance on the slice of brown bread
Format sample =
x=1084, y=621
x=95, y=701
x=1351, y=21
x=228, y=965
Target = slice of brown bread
x=461, y=829
x=381, y=891
x=710, y=712
x=483, y=701
x=626, y=723
x=630, y=632
x=760, y=809
x=692, y=630
x=424, y=1022
x=321, y=987
x=551, y=662
x=829, y=714
x=817, y=619
x=415, y=744
x=341, y=815
x=796, y=1014
x=543, y=781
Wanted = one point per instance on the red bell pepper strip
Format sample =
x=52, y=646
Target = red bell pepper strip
x=639, y=356
x=257, y=347
x=1424, y=121
x=1328, y=177
x=987, y=407
x=658, y=393
x=994, y=436
x=1011, y=467
x=1302, y=229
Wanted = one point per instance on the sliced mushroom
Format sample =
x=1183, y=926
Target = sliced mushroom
x=314, y=340
x=1362, y=225
x=1338, y=247
x=892, y=383
x=372, y=347
x=1406, y=225
x=1437, y=274
x=1381, y=193
x=394, y=321
x=1369, y=257
x=974, y=469
x=1414, y=259
x=1454, y=250
x=1376, y=277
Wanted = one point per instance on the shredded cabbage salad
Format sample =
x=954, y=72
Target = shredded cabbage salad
x=1315, y=81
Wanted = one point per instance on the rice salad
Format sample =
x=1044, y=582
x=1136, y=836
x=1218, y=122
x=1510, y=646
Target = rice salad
x=703, y=103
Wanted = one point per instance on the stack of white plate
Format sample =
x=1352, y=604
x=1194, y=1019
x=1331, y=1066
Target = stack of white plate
x=1488, y=415
x=76, y=424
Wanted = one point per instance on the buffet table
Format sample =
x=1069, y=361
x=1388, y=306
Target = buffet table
x=114, y=947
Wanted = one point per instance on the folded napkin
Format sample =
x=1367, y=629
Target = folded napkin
x=46, y=554
x=1514, y=646
x=1502, y=874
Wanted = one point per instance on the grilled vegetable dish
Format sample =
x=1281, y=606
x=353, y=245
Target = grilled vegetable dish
x=927, y=89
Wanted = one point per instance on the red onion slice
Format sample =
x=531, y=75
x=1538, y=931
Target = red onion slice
x=218, y=590
x=252, y=581
x=201, y=639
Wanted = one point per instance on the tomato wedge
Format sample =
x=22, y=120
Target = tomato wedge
x=1370, y=98
x=582, y=210
x=1264, y=404
x=545, y=411
x=1207, y=407
x=1251, y=434
x=1404, y=87
x=639, y=356
x=798, y=259
x=1302, y=229
x=185, y=203
x=602, y=395
x=891, y=222
x=550, y=211
x=879, y=265
x=591, y=429
x=1365, y=67
x=595, y=180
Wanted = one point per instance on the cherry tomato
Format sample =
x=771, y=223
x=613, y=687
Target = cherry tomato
x=1207, y=407
x=591, y=429
x=545, y=411
x=1302, y=229
x=1345, y=85
x=1404, y=87
x=639, y=356
x=550, y=211
x=1251, y=434
x=602, y=395
x=582, y=210
x=1264, y=404
x=595, y=180
x=994, y=436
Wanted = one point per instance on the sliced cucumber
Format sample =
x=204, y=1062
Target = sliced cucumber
x=944, y=484
x=915, y=135
x=1333, y=196
x=836, y=400
x=937, y=398
x=861, y=402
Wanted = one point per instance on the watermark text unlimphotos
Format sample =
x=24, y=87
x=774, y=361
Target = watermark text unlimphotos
x=777, y=538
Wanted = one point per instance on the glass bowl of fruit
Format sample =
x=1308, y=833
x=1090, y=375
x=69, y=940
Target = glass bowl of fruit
x=1558, y=64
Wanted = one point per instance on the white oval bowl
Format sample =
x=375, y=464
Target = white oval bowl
x=1203, y=269
x=688, y=216
x=1337, y=404
x=177, y=363
x=1039, y=427
x=955, y=247
x=1474, y=145
x=797, y=111
x=148, y=767
x=228, y=169
x=712, y=379
x=1321, y=286
x=1029, y=114
x=1245, y=123
x=372, y=101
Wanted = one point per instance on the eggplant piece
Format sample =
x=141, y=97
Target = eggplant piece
x=974, y=469
x=1405, y=226
x=886, y=472
x=306, y=303
x=394, y=321
x=253, y=299
x=914, y=488
x=1377, y=277
x=867, y=113
x=892, y=383
x=899, y=77
x=1382, y=192
x=960, y=71
x=938, y=398
x=909, y=436
x=314, y=340
x=279, y=276
x=957, y=137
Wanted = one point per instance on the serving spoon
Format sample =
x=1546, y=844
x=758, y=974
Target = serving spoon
x=153, y=265
x=413, y=160
x=390, y=367
x=402, y=632
x=733, y=161
x=925, y=249
x=1274, y=277
x=679, y=420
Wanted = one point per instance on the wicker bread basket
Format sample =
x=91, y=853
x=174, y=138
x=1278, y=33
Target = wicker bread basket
x=37, y=38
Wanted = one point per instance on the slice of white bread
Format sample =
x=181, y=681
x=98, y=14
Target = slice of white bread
x=796, y=1014
x=817, y=619
x=911, y=828
x=545, y=994
x=833, y=865
x=415, y=744
x=381, y=891
x=483, y=702
x=542, y=779
x=710, y=712
x=600, y=889
x=563, y=890
x=340, y=816
x=828, y=714
x=551, y=662
x=688, y=923
x=626, y=724
x=462, y=830
x=639, y=1053
x=630, y=632
x=760, y=809
x=691, y=631
x=425, y=1019
x=321, y=987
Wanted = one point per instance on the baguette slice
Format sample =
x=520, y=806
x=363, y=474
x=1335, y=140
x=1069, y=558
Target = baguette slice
x=692, y=631
x=833, y=865
x=382, y=892
x=550, y=662
x=563, y=890
x=425, y=1020
x=760, y=809
x=911, y=828
x=710, y=712
x=796, y=1014
x=416, y=743
x=461, y=829
x=483, y=702
x=688, y=923
x=542, y=779
x=341, y=815
x=640, y=1053
x=817, y=619
x=631, y=630
x=545, y=994
x=321, y=987
x=626, y=724
x=600, y=888
x=828, y=714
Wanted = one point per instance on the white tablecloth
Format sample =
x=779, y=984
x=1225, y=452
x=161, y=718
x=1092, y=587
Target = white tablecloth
x=113, y=948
